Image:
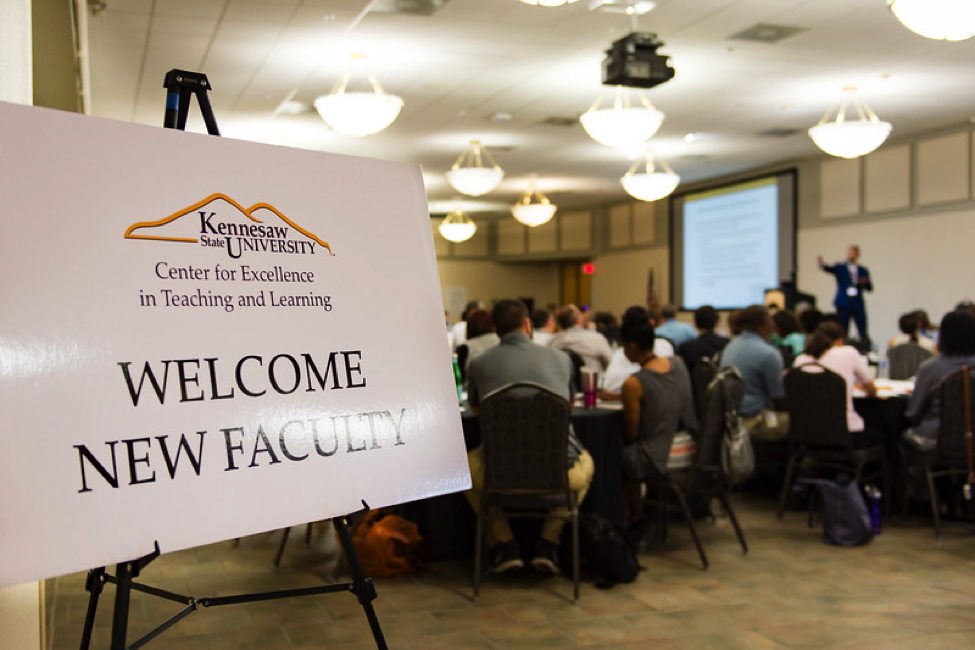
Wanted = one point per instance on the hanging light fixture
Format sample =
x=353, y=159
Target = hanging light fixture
x=475, y=179
x=358, y=113
x=943, y=20
x=625, y=124
x=652, y=184
x=849, y=138
x=457, y=227
x=533, y=214
x=548, y=3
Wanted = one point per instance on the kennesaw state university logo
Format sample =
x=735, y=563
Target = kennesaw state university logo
x=219, y=222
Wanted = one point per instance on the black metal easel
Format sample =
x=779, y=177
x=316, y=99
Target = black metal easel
x=180, y=85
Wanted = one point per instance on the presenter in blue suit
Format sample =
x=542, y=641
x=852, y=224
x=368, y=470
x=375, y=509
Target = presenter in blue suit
x=851, y=281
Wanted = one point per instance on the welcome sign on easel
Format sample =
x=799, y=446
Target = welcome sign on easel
x=204, y=338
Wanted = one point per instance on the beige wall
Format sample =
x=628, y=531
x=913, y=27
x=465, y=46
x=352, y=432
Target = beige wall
x=491, y=281
x=620, y=279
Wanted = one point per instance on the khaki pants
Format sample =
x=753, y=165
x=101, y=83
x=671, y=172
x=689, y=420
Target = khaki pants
x=759, y=430
x=580, y=474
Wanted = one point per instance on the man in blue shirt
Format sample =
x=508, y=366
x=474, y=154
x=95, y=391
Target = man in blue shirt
x=760, y=364
x=673, y=330
x=851, y=281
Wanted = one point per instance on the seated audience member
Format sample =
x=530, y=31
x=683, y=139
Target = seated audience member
x=910, y=326
x=707, y=343
x=787, y=331
x=480, y=336
x=826, y=346
x=656, y=398
x=957, y=342
x=966, y=306
x=517, y=359
x=810, y=320
x=760, y=364
x=608, y=326
x=543, y=326
x=674, y=330
x=588, y=344
x=458, y=333
x=656, y=403
x=620, y=367
x=925, y=327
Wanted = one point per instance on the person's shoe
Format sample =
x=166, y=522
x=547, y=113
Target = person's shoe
x=506, y=556
x=546, y=557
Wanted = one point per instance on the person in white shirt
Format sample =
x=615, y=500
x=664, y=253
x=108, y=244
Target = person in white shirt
x=458, y=333
x=588, y=344
x=543, y=326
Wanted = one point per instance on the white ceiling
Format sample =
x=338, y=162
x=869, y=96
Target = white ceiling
x=474, y=58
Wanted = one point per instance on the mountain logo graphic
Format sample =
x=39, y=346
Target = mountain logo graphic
x=218, y=222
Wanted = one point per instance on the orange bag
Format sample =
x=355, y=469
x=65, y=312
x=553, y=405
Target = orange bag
x=386, y=544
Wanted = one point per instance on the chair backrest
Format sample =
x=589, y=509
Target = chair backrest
x=722, y=404
x=816, y=399
x=462, y=353
x=524, y=438
x=577, y=363
x=951, y=436
x=702, y=374
x=904, y=360
x=788, y=355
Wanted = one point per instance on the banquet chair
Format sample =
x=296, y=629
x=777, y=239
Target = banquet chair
x=703, y=373
x=903, y=360
x=950, y=456
x=462, y=353
x=524, y=447
x=722, y=401
x=818, y=431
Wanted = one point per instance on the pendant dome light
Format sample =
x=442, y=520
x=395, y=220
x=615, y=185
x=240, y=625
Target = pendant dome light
x=849, y=138
x=626, y=124
x=358, y=113
x=457, y=227
x=475, y=178
x=658, y=181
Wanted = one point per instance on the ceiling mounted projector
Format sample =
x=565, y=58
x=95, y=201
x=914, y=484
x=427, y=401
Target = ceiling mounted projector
x=633, y=61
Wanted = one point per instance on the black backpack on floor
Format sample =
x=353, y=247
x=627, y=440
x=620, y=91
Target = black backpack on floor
x=604, y=551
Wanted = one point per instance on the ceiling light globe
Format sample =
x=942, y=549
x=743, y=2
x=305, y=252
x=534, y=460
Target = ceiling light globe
x=651, y=186
x=533, y=214
x=475, y=181
x=359, y=114
x=621, y=127
x=943, y=20
x=457, y=227
x=850, y=139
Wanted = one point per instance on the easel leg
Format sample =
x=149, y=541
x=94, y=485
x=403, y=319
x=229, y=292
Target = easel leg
x=120, y=615
x=94, y=584
x=364, y=589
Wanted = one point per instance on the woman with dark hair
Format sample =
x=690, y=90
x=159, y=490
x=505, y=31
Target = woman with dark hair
x=787, y=331
x=957, y=344
x=827, y=347
x=656, y=398
x=910, y=327
x=480, y=336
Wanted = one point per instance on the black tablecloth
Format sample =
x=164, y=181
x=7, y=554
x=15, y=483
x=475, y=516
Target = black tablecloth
x=887, y=415
x=448, y=523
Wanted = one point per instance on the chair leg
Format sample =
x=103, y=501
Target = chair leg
x=786, y=486
x=935, y=504
x=284, y=540
x=690, y=524
x=726, y=503
x=888, y=508
x=478, y=553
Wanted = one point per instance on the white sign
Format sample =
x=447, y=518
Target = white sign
x=203, y=338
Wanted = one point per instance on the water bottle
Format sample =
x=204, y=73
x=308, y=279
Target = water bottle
x=874, y=497
x=458, y=380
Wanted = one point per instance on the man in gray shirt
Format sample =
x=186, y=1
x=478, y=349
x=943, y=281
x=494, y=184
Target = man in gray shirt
x=518, y=359
x=588, y=344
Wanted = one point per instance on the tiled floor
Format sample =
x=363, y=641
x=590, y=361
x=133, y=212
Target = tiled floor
x=904, y=590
